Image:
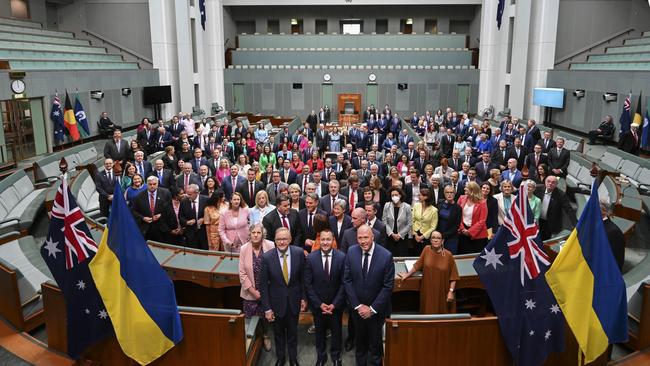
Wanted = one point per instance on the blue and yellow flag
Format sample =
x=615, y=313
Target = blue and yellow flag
x=137, y=293
x=588, y=285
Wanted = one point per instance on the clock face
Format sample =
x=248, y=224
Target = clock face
x=372, y=77
x=327, y=77
x=18, y=86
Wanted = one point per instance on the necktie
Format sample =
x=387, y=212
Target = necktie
x=141, y=169
x=152, y=203
x=351, y=199
x=194, y=209
x=285, y=268
x=364, y=269
x=117, y=145
x=310, y=220
x=276, y=190
x=304, y=183
x=536, y=159
x=187, y=181
x=332, y=205
x=234, y=181
x=160, y=176
x=251, y=192
x=327, y=266
x=285, y=223
x=110, y=177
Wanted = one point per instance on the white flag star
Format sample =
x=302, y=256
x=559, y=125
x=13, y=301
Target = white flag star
x=530, y=304
x=56, y=113
x=81, y=285
x=531, y=333
x=103, y=314
x=51, y=247
x=547, y=335
x=87, y=311
x=555, y=309
x=492, y=258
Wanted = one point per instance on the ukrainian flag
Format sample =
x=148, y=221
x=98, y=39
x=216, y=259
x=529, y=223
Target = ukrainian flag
x=137, y=293
x=588, y=285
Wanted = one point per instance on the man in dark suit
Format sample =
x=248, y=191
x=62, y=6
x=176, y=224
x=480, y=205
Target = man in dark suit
x=501, y=154
x=353, y=193
x=153, y=211
x=614, y=235
x=175, y=128
x=555, y=205
x=404, y=139
x=165, y=176
x=147, y=138
x=519, y=152
x=249, y=188
x=322, y=139
x=285, y=217
x=282, y=293
x=533, y=131
x=469, y=157
x=324, y=272
x=231, y=182
x=163, y=139
x=605, y=130
x=105, y=186
x=312, y=120
x=106, y=123
x=421, y=161
x=373, y=221
x=304, y=178
x=306, y=217
x=558, y=159
x=484, y=166
x=349, y=237
x=198, y=160
x=534, y=159
x=142, y=167
x=455, y=162
x=187, y=177
x=547, y=142
x=327, y=200
x=117, y=149
x=190, y=216
x=447, y=143
x=287, y=175
x=630, y=140
x=369, y=279
x=415, y=182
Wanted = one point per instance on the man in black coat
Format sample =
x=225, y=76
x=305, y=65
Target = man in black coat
x=555, y=205
x=147, y=138
x=283, y=216
x=105, y=185
x=605, y=130
x=117, y=149
x=447, y=143
x=249, y=188
x=157, y=223
x=187, y=177
x=165, y=176
x=312, y=120
x=630, y=140
x=534, y=159
x=349, y=237
x=546, y=142
x=484, y=166
x=558, y=159
x=190, y=215
x=614, y=235
x=324, y=272
x=306, y=217
x=322, y=139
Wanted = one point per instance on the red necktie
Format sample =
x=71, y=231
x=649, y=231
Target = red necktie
x=351, y=199
x=233, y=184
x=252, y=192
x=152, y=203
x=304, y=183
x=285, y=223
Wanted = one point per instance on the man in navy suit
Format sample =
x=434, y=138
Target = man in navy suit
x=369, y=279
x=324, y=271
x=231, y=182
x=306, y=217
x=187, y=177
x=484, y=166
x=198, y=160
x=282, y=293
x=163, y=139
x=165, y=176
x=349, y=238
x=142, y=166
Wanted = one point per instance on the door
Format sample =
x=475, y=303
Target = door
x=238, y=97
x=463, y=98
x=326, y=92
x=371, y=96
x=18, y=130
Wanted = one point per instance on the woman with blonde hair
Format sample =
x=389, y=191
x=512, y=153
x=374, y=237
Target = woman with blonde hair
x=223, y=170
x=295, y=200
x=472, y=229
x=262, y=207
x=233, y=225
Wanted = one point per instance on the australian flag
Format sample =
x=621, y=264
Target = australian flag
x=67, y=250
x=56, y=115
x=512, y=268
x=202, y=10
x=500, y=8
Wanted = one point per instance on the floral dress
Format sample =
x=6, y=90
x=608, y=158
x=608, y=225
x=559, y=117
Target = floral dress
x=253, y=307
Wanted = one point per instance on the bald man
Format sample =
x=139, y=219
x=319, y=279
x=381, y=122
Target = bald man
x=369, y=279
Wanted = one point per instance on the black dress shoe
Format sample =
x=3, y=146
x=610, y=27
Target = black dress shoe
x=293, y=363
x=349, y=344
x=337, y=363
x=280, y=362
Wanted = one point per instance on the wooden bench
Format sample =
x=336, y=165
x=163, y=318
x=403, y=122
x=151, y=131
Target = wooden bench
x=210, y=336
x=638, y=314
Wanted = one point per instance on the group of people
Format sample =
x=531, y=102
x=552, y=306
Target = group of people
x=320, y=221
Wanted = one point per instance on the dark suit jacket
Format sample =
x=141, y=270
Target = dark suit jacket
x=522, y=155
x=561, y=161
x=275, y=294
x=147, y=168
x=110, y=150
x=321, y=289
x=163, y=206
x=446, y=146
x=408, y=190
x=194, y=179
x=148, y=143
x=497, y=156
x=272, y=222
x=325, y=203
x=104, y=186
x=228, y=188
x=195, y=165
x=338, y=235
x=530, y=163
x=546, y=147
x=167, y=180
x=616, y=241
x=358, y=196
x=308, y=233
x=195, y=235
x=377, y=287
x=322, y=141
x=628, y=144
x=557, y=207
x=419, y=165
x=244, y=189
x=175, y=131
x=483, y=174
x=292, y=176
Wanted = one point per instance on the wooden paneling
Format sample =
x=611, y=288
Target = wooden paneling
x=54, y=306
x=10, y=308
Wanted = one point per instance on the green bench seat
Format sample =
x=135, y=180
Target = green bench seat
x=20, y=202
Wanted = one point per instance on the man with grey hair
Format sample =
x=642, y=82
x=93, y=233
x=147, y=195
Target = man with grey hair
x=165, y=176
x=153, y=212
x=359, y=217
x=190, y=216
x=614, y=234
x=327, y=201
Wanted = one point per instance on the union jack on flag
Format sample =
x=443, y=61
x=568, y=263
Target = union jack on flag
x=524, y=232
x=67, y=250
x=78, y=243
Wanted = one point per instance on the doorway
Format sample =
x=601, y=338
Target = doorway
x=371, y=94
x=327, y=90
x=463, y=98
x=18, y=130
x=238, y=97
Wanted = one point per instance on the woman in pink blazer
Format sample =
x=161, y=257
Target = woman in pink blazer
x=472, y=229
x=250, y=264
x=233, y=224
